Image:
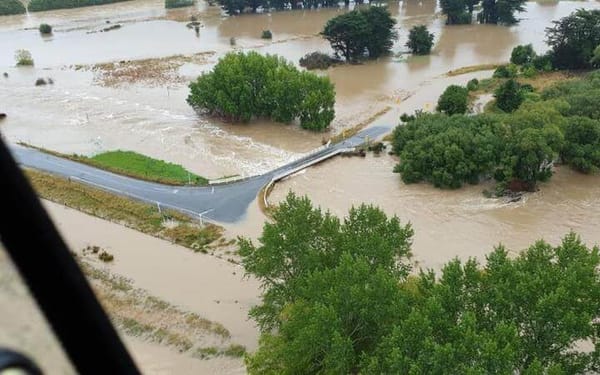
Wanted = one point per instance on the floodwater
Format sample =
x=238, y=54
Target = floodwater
x=76, y=114
x=460, y=223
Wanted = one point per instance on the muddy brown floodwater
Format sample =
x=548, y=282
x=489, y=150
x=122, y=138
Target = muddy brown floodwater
x=77, y=115
x=460, y=223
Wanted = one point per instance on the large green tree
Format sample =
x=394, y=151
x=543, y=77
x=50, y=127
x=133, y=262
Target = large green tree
x=303, y=240
x=456, y=11
x=515, y=315
x=356, y=33
x=243, y=86
x=501, y=11
x=337, y=298
x=574, y=38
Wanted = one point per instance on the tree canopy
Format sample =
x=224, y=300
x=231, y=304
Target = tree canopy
x=338, y=297
x=454, y=100
x=420, y=40
x=11, y=7
x=517, y=148
x=493, y=11
x=243, y=86
x=359, y=32
x=574, y=38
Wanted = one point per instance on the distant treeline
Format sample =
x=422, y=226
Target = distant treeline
x=11, y=7
x=178, y=3
x=242, y=6
x=40, y=5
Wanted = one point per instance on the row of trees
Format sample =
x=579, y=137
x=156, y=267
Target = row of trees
x=516, y=149
x=338, y=298
x=493, y=11
x=8, y=7
x=245, y=86
x=40, y=5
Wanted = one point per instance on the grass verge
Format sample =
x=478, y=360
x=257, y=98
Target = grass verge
x=166, y=224
x=132, y=164
x=472, y=69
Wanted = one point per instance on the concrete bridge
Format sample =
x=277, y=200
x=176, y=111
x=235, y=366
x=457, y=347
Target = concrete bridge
x=225, y=203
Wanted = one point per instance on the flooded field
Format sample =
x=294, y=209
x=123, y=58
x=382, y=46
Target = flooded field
x=76, y=114
x=83, y=113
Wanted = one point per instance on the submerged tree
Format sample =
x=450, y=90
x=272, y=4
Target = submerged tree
x=420, y=40
x=454, y=100
x=358, y=32
x=243, y=86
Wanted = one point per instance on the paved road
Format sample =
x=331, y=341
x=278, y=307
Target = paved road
x=226, y=203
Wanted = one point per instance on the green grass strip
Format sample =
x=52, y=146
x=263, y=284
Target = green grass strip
x=143, y=167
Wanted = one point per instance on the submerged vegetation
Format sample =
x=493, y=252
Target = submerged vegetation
x=338, y=297
x=23, y=58
x=420, y=40
x=361, y=32
x=526, y=132
x=243, y=86
x=518, y=149
x=8, y=7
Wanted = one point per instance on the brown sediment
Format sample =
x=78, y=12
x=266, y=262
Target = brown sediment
x=350, y=132
x=472, y=69
x=140, y=314
x=152, y=71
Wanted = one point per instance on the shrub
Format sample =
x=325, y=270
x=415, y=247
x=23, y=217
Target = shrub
x=509, y=96
x=473, y=84
x=232, y=41
x=529, y=71
x=506, y=71
x=266, y=34
x=8, y=7
x=582, y=144
x=40, y=82
x=316, y=60
x=45, y=29
x=543, y=63
x=420, y=40
x=522, y=54
x=23, y=58
x=106, y=257
x=453, y=100
x=178, y=3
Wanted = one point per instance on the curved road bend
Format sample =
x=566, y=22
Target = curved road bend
x=220, y=203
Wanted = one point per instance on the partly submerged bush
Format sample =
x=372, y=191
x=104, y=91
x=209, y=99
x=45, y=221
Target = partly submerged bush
x=23, y=58
x=267, y=34
x=45, y=29
x=316, y=60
